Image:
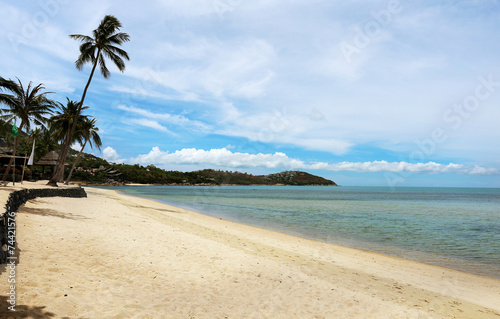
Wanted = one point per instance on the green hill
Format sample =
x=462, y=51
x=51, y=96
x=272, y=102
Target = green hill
x=299, y=178
x=96, y=170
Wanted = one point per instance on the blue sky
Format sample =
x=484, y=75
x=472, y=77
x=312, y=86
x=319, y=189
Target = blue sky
x=390, y=93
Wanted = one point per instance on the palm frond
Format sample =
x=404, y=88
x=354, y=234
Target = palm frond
x=118, y=51
x=87, y=54
x=8, y=85
x=120, y=64
x=104, y=69
x=96, y=139
x=119, y=38
x=8, y=100
x=81, y=37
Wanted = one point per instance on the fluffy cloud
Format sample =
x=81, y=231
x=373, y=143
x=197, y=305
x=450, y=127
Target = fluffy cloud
x=111, y=155
x=150, y=124
x=219, y=157
x=215, y=69
x=172, y=119
x=399, y=167
x=228, y=159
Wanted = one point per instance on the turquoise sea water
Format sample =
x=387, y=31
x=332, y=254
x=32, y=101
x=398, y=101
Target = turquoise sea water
x=457, y=228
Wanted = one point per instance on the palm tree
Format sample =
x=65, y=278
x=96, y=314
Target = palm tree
x=88, y=132
x=30, y=106
x=95, y=49
x=62, y=122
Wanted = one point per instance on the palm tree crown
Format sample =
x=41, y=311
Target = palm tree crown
x=103, y=45
x=86, y=132
x=30, y=105
x=62, y=121
x=89, y=132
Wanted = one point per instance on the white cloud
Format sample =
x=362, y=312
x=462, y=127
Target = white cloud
x=175, y=119
x=279, y=126
x=330, y=145
x=111, y=155
x=149, y=124
x=228, y=159
x=215, y=69
x=218, y=157
x=144, y=89
x=189, y=8
x=400, y=167
x=76, y=146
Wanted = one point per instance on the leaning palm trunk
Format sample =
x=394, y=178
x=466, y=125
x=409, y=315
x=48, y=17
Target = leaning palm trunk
x=75, y=162
x=59, y=176
x=59, y=172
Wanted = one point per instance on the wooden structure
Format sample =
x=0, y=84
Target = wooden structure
x=6, y=155
x=50, y=159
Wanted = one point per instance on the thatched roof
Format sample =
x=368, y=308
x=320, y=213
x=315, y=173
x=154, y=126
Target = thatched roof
x=48, y=160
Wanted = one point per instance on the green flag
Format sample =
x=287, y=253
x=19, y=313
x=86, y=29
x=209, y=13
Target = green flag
x=15, y=131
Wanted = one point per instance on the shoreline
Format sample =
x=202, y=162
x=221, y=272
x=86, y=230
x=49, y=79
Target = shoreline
x=426, y=257
x=126, y=250
x=121, y=184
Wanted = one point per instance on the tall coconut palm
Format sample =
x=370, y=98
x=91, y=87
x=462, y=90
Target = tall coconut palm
x=30, y=105
x=95, y=49
x=87, y=131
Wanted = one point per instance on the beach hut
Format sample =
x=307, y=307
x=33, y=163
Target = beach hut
x=50, y=159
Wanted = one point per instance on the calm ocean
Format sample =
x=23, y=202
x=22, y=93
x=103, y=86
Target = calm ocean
x=457, y=228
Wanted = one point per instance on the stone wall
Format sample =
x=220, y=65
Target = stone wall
x=18, y=198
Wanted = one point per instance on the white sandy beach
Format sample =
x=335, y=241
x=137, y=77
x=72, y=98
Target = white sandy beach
x=115, y=256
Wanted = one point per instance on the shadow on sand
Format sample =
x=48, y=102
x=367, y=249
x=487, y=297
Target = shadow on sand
x=50, y=212
x=23, y=311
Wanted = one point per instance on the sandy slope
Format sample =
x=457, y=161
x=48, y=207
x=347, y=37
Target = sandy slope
x=114, y=256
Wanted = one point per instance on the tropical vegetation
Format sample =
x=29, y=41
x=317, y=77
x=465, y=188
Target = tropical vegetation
x=52, y=123
x=29, y=105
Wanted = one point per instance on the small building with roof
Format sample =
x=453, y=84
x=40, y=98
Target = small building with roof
x=50, y=159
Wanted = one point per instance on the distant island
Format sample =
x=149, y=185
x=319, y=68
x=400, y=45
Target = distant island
x=292, y=178
x=94, y=170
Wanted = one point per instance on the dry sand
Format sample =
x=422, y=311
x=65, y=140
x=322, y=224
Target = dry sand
x=115, y=256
